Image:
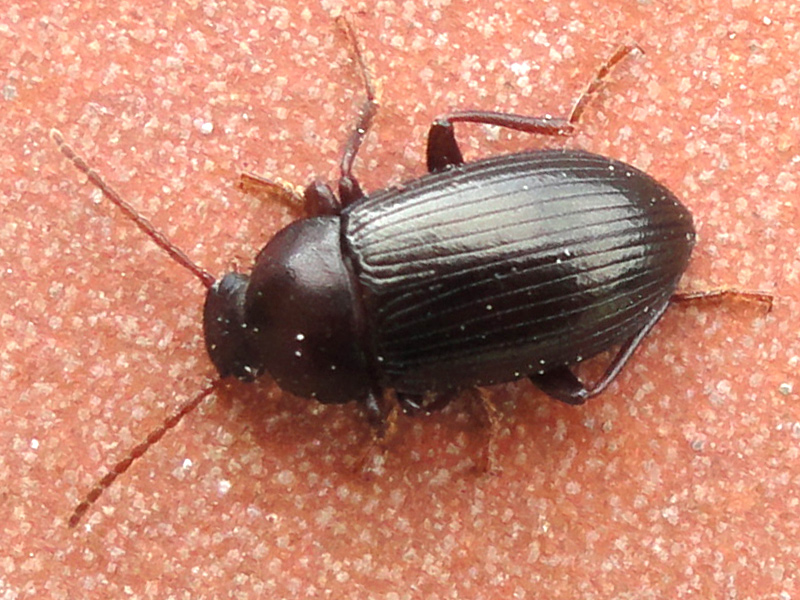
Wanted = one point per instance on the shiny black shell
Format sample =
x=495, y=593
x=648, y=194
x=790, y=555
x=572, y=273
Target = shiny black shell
x=511, y=266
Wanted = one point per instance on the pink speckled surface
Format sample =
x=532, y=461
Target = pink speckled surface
x=683, y=481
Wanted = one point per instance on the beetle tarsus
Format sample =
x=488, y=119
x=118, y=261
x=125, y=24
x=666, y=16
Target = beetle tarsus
x=599, y=80
x=765, y=299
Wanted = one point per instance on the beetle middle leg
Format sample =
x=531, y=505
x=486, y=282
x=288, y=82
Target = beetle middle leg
x=443, y=151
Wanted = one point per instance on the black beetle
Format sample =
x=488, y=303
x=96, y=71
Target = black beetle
x=474, y=274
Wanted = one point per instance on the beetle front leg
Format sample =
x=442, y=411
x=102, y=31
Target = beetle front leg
x=562, y=384
x=349, y=189
x=319, y=200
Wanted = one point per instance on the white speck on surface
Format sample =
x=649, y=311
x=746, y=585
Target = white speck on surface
x=224, y=486
x=285, y=477
x=671, y=514
x=203, y=126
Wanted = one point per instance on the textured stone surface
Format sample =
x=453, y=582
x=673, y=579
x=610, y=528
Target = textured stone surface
x=681, y=481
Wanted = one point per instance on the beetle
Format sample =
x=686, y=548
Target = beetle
x=474, y=274
x=513, y=266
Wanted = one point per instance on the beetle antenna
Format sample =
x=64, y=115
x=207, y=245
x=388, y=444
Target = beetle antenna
x=152, y=438
x=143, y=224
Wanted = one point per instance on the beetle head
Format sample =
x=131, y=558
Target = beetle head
x=230, y=342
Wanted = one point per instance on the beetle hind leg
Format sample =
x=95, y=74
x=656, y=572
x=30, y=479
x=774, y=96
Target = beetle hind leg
x=562, y=384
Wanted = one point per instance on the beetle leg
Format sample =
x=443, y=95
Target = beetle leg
x=443, y=151
x=414, y=404
x=562, y=384
x=375, y=452
x=349, y=190
x=268, y=189
x=377, y=412
x=319, y=200
x=492, y=417
x=763, y=298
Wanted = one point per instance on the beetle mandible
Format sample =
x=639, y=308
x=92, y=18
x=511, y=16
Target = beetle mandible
x=477, y=273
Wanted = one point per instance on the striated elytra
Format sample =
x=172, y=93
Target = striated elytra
x=484, y=272
x=474, y=274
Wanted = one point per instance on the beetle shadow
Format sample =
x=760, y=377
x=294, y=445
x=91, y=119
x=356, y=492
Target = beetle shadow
x=458, y=444
x=291, y=430
x=300, y=434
